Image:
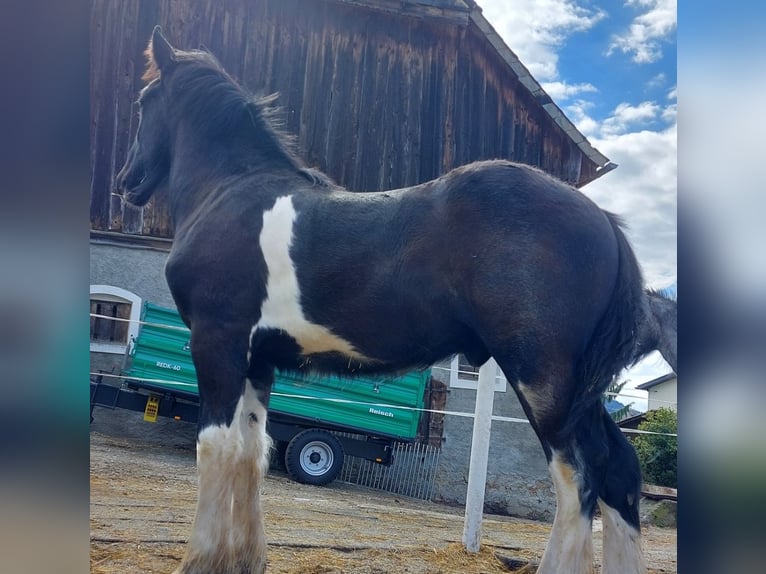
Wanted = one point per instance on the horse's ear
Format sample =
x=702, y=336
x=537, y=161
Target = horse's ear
x=162, y=52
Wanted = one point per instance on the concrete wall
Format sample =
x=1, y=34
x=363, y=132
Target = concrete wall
x=141, y=271
x=137, y=269
x=518, y=482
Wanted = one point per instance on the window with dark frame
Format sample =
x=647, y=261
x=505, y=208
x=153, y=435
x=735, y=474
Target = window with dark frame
x=465, y=370
x=108, y=330
x=463, y=375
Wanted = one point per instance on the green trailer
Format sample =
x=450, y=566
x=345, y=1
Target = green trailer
x=315, y=420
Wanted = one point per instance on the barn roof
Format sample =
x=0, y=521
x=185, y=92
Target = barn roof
x=558, y=116
x=468, y=11
x=453, y=4
x=424, y=6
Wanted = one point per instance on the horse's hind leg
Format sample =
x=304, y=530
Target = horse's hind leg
x=232, y=451
x=619, y=501
x=590, y=462
x=570, y=547
x=576, y=461
x=576, y=466
x=606, y=471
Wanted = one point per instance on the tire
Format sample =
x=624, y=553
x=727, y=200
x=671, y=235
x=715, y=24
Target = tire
x=278, y=455
x=314, y=457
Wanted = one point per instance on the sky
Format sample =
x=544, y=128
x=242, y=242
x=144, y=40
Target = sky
x=610, y=65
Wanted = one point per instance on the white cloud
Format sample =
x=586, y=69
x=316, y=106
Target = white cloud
x=578, y=112
x=536, y=29
x=627, y=116
x=643, y=188
x=673, y=93
x=561, y=91
x=670, y=113
x=657, y=81
x=643, y=38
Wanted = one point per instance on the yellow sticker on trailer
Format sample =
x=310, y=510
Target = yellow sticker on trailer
x=152, y=409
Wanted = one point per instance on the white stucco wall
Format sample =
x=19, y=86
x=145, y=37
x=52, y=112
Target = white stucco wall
x=664, y=395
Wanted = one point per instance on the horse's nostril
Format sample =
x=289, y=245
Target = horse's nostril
x=126, y=180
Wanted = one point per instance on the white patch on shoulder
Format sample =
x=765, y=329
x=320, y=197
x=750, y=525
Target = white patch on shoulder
x=282, y=307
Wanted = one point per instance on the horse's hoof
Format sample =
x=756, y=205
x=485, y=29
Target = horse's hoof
x=518, y=566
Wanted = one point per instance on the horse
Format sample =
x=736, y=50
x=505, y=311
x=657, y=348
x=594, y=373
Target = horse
x=275, y=266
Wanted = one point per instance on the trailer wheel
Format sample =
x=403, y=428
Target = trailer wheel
x=314, y=457
x=277, y=460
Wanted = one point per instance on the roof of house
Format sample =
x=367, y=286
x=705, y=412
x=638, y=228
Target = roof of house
x=632, y=420
x=658, y=381
x=469, y=10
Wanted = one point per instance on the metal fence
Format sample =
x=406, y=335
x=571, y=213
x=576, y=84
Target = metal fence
x=411, y=474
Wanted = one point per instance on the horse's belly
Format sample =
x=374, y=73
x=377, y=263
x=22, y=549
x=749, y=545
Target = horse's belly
x=312, y=339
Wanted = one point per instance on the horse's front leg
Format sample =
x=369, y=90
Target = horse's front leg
x=247, y=537
x=232, y=459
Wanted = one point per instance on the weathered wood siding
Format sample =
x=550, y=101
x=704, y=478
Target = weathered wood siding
x=377, y=99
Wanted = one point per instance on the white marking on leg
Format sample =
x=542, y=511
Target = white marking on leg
x=208, y=544
x=228, y=532
x=570, y=546
x=282, y=307
x=247, y=536
x=622, y=544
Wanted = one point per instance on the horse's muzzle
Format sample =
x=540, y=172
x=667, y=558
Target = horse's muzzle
x=133, y=185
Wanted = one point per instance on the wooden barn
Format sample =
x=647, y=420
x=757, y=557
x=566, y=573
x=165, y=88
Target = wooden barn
x=379, y=94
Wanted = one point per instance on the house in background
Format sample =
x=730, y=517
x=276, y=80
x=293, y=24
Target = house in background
x=378, y=94
x=662, y=392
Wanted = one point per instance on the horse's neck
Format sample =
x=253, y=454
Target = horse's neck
x=204, y=166
x=665, y=314
x=658, y=329
x=198, y=182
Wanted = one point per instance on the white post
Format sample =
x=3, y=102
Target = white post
x=477, y=472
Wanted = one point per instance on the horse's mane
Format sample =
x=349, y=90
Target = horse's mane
x=217, y=104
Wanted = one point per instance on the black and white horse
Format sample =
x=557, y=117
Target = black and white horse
x=274, y=266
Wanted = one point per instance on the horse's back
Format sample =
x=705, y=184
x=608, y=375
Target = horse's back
x=511, y=195
x=489, y=251
x=540, y=238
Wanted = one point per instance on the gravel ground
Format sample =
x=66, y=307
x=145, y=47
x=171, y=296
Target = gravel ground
x=143, y=496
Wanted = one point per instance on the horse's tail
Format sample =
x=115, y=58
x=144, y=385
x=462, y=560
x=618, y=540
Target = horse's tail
x=612, y=345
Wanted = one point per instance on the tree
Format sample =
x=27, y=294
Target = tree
x=610, y=396
x=657, y=453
